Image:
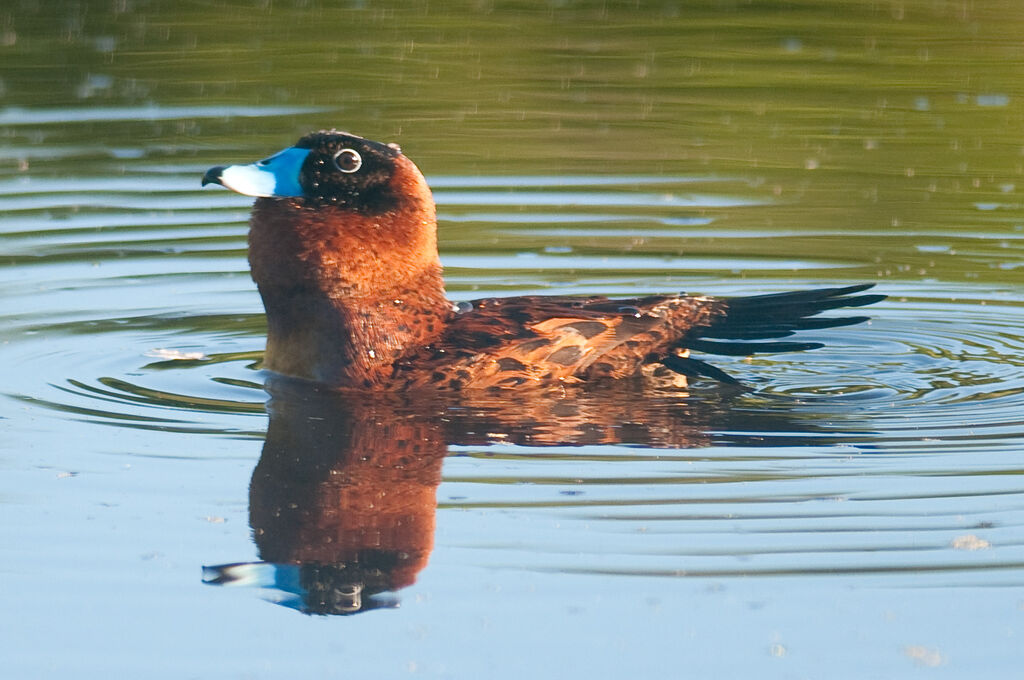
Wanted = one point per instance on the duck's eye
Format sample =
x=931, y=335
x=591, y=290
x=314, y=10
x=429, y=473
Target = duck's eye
x=348, y=160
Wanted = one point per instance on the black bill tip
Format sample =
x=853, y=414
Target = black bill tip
x=213, y=175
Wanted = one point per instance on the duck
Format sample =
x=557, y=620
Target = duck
x=343, y=250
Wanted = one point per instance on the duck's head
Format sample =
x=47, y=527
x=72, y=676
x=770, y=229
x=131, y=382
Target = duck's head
x=326, y=168
x=346, y=212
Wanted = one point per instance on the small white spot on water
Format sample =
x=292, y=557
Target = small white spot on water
x=992, y=100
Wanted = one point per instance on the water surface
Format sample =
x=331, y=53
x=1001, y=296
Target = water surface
x=858, y=515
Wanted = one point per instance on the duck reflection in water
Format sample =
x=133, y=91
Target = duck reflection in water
x=342, y=501
x=344, y=497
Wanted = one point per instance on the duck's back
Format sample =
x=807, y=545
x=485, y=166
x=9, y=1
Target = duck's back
x=509, y=342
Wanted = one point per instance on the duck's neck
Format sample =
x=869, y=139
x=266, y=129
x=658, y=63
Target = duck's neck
x=342, y=309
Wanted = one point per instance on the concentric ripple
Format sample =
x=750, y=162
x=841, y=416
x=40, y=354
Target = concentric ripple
x=895, y=450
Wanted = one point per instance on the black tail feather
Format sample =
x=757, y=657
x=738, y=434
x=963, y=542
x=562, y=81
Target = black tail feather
x=767, y=317
x=779, y=330
x=693, y=368
x=812, y=295
x=779, y=315
x=742, y=349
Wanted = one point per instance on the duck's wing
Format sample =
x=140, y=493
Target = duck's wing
x=506, y=342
